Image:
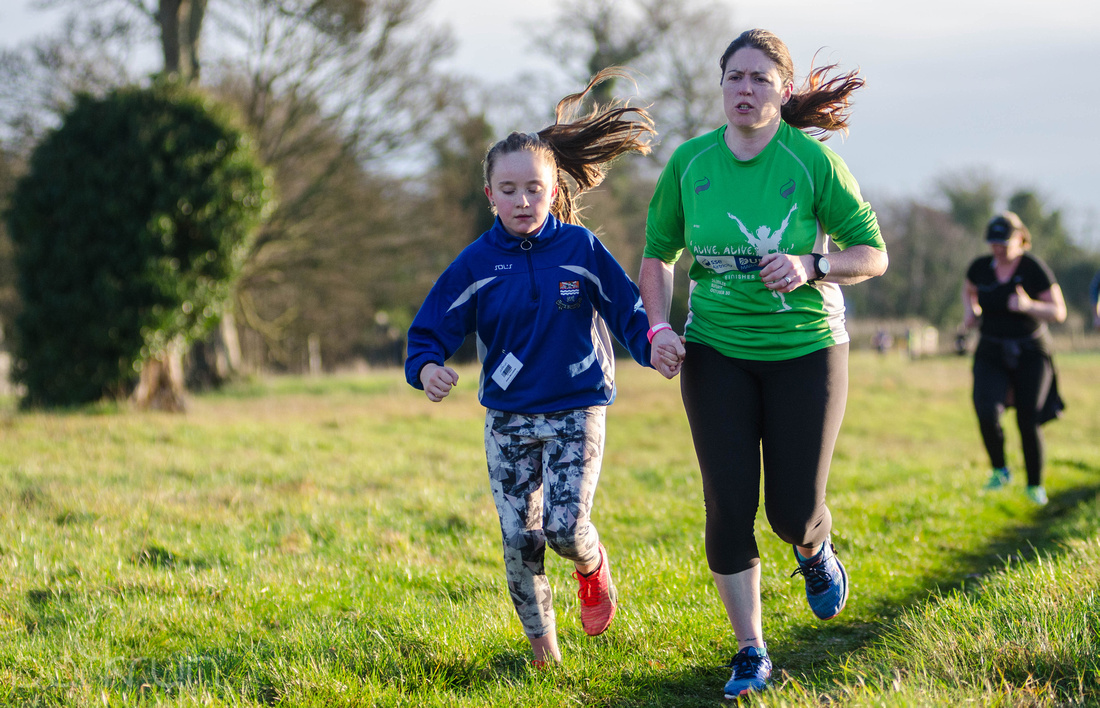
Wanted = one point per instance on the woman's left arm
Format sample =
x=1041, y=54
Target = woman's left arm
x=1049, y=306
x=852, y=265
x=852, y=225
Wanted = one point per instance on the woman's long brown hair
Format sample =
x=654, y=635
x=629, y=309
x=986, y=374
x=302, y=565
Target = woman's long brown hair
x=822, y=104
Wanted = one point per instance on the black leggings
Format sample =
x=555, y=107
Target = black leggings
x=791, y=410
x=1028, y=374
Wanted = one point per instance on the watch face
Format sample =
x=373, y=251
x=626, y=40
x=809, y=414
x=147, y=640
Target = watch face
x=823, y=265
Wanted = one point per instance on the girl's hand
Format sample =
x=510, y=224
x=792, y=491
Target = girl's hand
x=668, y=352
x=438, y=381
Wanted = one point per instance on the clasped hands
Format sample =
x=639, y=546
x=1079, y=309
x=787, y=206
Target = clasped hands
x=667, y=355
x=780, y=273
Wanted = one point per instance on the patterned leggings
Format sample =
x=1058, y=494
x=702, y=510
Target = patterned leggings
x=543, y=471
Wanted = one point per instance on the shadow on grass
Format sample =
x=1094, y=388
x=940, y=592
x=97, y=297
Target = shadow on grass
x=815, y=657
x=820, y=655
x=156, y=556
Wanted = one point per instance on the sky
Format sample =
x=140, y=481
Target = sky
x=1004, y=88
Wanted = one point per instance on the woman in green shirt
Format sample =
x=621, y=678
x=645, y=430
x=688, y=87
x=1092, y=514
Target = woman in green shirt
x=758, y=203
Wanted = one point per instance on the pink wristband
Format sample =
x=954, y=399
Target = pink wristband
x=657, y=328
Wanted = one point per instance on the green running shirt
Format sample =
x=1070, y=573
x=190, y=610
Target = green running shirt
x=793, y=197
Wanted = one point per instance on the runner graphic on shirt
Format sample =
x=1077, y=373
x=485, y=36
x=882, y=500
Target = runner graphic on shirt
x=766, y=241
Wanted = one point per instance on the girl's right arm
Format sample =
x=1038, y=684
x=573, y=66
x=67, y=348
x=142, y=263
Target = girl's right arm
x=447, y=315
x=438, y=381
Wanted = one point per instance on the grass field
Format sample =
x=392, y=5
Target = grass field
x=332, y=542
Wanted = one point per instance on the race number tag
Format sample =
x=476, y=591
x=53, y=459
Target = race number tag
x=507, y=371
x=747, y=264
x=743, y=262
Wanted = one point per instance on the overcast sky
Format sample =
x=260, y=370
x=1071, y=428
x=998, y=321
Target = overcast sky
x=1007, y=86
x=1010, y=87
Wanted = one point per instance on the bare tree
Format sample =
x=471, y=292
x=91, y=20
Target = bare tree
x=336, y=93
x=681, y=72
x=929, y=252
x=672, y=45
x=590, y=35
x=178, y=23
x=180, y=28
x=90, y=54
x=367, y=65
x=9, y=298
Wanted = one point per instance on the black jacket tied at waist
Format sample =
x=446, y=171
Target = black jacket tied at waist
x=1008, y=351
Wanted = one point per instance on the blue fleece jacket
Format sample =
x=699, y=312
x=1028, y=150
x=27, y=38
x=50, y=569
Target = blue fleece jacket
x=541, y=308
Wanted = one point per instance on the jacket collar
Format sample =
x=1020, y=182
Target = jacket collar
x=507, y=241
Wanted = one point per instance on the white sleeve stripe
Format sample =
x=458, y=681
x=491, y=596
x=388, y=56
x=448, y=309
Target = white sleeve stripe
x=583, y=365
x=469, y=292
x=588, y=275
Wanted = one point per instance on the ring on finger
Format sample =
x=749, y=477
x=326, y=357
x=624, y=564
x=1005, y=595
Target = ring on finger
x=788, y=279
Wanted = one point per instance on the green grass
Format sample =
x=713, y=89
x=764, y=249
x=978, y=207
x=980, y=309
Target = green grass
x=332, y=542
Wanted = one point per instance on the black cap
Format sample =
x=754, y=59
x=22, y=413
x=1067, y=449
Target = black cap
x=999, y=229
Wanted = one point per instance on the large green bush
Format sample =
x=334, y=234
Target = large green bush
x=130, y=226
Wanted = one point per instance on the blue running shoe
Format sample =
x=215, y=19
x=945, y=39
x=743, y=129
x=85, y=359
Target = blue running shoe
x=751, y=670
x=1000, y=477
x=826, y=581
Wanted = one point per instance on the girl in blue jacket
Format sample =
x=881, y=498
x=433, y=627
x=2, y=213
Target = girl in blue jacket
x=541, y=292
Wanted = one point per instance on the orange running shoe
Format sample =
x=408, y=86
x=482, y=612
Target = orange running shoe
x=598, y=597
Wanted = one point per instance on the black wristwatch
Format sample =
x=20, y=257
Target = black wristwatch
x=821, y=268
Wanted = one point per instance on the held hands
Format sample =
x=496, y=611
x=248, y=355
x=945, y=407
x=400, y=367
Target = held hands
x=438, y=381
x=782, y=273
x=668, y=353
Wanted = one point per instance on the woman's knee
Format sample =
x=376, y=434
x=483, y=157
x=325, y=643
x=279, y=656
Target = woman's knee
x=1027, y=420
x=987, y=409
x=795, y=535
x=800, y=527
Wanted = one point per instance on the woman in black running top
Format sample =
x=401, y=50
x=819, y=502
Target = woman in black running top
x=1013, y=295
